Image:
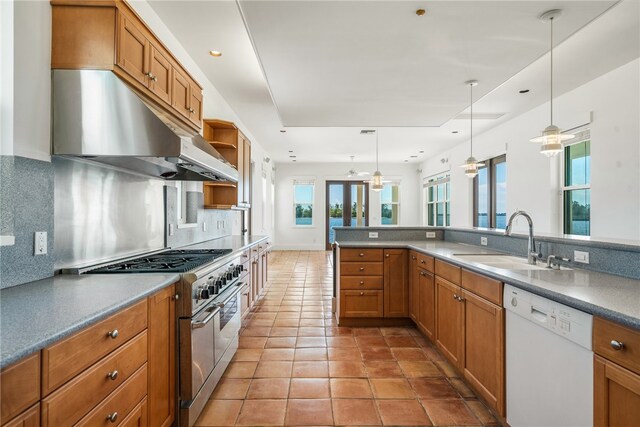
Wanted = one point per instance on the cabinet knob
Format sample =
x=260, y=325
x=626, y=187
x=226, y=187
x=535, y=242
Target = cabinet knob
x=361, y=293
x=360, y=254
x=422, y=273
x=176, y=297
x=112, y=375
x=422, y=261
x=361, y=268
x=112, y=417
x=361, y=282
x=386, y=255
x=414, y=258
x=617, y=345
x=113, y=334
x=455, y=296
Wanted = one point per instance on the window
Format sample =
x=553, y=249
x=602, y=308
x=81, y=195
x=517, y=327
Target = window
x=490, y=194
x=390, y=204
x=438, y=194
x=303, y=202
x=576, y=185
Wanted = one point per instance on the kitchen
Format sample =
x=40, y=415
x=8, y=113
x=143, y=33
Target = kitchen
x=171, y=140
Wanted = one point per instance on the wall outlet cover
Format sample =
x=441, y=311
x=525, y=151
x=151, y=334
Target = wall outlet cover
x=171, y=229
x=373, y=234
x=580, y=256
x=40, y=243
x=483, y=241
x=204, y=226
x=430, y=234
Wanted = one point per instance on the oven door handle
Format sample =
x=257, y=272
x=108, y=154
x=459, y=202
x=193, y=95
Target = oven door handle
x=202, y=323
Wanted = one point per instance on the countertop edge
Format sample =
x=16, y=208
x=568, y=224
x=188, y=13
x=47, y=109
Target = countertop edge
x=578, y=304
x=83, y=323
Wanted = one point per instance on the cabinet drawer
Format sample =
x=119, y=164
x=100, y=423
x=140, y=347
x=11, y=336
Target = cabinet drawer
x=138, y=417
x=425, y=262
x=356, y=254
x=62, y=361
x=72, y=401
x=361, y=303
x=604, y=332
x=361, y=268
x=483, y=286
x=448, y=271
x=361, y=282
x=29, y=418
x=119, y=403
x=20, y=386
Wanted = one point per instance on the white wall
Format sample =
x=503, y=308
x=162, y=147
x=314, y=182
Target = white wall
x=288, y=236
x=6, y=78
x=613, y=102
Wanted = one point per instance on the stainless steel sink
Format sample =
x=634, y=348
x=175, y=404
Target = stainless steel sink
x=503, y=261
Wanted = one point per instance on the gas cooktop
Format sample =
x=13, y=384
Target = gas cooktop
x=173, y=261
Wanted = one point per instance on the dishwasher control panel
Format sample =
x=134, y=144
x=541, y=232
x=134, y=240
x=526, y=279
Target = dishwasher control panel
x=563, y=320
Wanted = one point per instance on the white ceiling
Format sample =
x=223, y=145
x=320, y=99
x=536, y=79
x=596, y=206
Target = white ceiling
x=332, y=67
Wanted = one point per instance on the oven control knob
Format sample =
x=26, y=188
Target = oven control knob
x=239, y=269
x=235, y=272
x=229, y=275
x=222, y=280
x=212, y=289
x=203, y=293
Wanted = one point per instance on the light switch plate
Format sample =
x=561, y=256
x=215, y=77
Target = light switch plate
x=171, y=230
x=430, y=234
x=483, y=241
x=40, y=243
x=582, y=257
x=204, y=226
x=373, y=234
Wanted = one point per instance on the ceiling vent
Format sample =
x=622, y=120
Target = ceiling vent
x=367, y=131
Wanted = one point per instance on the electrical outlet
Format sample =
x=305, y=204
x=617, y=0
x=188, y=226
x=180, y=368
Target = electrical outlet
x=373, y=234
x=40, y=243
x=171, y=229
x=483, y=241
x=430, y=235
x=204, y=226
x=582, y=257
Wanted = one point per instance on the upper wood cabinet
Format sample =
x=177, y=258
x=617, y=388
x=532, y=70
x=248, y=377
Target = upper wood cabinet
x=396, y=286
x=225, y=137
x=108, y=35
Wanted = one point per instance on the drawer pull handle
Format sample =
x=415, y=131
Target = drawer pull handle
x=112, y=417
x=455, y=296
x=113, y=334
x=360, y=254
x=361, y=293
x=617, y=345
x=361, y=268
x=422, y=273
x=362, y=282
x=386, y=255
x=112, y=375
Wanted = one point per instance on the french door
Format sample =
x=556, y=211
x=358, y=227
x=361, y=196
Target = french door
x=347, y=205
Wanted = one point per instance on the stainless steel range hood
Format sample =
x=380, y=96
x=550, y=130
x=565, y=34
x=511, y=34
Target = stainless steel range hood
x=97, y=117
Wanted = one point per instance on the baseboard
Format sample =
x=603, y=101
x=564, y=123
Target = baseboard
x=285, y=247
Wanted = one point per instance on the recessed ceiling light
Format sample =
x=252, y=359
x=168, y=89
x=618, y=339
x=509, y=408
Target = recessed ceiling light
x=524, y=91
x=294, y=160
x=291, y=151
x=406, y=161
x=293, y=157
x=215, y=53
x=283, y=131
x=420, y=12
x=455, y=131
x=421, y=151
x=413, y=157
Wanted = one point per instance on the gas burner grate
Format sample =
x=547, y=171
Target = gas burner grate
x=174, y=261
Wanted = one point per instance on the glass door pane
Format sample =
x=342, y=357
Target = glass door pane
x=335, y=199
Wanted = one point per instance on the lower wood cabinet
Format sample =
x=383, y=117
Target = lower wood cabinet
x=29, y=418
x=138, y=417
x=161, y=393
x=19, y=387
x=361, y=303
x=616, y=394
x=450, y=321
x=396, y=286
x=483, y=361
x=414, y=286
x=426, y=298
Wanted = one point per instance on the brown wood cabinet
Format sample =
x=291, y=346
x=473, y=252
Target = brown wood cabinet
x=616, y=374
x=225, y=137
x=427, y=303
x=362, y=303
x=108, y=35
x=483, y=361
x=29, y=418
x=414, y=287
x=161, y=389
x=396, y=287
x=138, y=417
x=19, y=387
x=449, y=321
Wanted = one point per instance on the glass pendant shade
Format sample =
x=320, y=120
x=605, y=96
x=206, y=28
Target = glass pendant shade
x=376, y=182
x=551, y=140
x=471, y=166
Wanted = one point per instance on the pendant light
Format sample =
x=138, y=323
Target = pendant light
x=376, y=182
x=552, y=136
x=471, y=165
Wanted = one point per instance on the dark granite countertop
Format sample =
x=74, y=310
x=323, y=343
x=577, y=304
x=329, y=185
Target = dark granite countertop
x=37, y=314
x=606, y=295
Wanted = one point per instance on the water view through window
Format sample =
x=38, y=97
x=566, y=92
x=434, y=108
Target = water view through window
x=303, y=203
x=577, y=191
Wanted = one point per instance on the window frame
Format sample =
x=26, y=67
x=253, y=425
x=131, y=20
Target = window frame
x=396, y=183
x=582, y=135
x=434, y=181
x=490, y=165
x=295, y=202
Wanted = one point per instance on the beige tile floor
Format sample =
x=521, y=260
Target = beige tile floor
x=296, y=367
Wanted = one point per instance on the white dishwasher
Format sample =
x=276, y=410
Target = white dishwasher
x=549, y=362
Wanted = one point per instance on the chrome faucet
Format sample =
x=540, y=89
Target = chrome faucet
x=532, y=254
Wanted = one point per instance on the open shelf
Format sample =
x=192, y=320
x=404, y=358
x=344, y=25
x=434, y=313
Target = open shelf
x=218, y=145
x=220, y=184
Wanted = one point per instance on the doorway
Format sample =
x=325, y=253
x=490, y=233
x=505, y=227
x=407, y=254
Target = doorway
x=347, y=205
